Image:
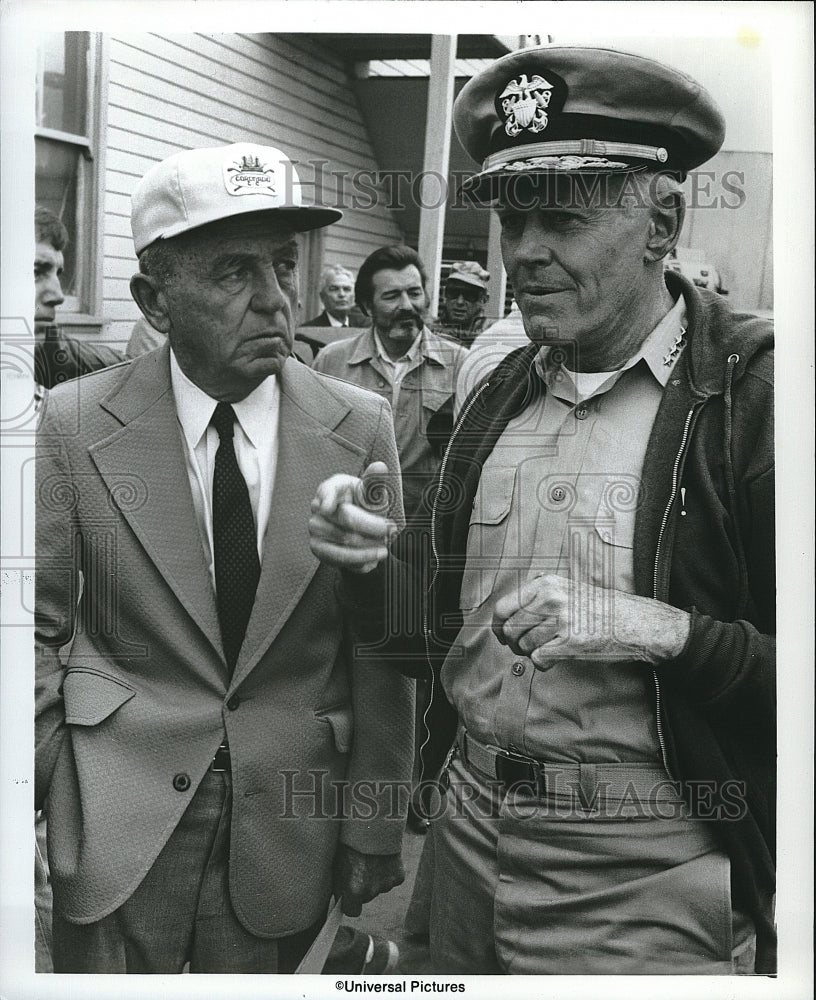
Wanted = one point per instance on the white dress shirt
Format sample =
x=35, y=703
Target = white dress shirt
x=255, y=442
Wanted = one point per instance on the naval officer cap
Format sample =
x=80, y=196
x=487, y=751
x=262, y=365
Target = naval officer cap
x=198, y=186
x=579, y=109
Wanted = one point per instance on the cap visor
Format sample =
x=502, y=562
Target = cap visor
x=305, y=218
x=467, y=280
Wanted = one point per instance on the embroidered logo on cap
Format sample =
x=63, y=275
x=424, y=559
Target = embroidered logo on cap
x=524, y=103
x=250, y=176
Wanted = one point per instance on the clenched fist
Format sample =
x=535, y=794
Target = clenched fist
x=557, y=618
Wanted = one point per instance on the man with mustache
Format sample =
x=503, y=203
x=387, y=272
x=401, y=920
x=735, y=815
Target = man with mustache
x=596, y=596
x=402, y=360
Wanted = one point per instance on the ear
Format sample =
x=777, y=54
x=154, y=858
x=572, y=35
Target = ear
x=668, y=210
x=149, y=295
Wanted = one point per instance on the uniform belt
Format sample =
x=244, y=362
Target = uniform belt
x=221, y=760
x=614, y=782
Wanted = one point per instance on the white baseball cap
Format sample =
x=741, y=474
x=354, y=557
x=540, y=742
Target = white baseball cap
x=197, y=186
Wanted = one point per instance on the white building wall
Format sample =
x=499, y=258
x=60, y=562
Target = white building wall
x=171, y=93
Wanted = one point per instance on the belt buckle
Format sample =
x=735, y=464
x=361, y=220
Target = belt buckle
x=221, y=760
x=514, y=769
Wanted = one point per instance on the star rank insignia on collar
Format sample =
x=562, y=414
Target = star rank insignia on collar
x=676, y=348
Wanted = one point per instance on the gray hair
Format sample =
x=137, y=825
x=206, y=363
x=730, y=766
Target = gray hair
x=330, y=271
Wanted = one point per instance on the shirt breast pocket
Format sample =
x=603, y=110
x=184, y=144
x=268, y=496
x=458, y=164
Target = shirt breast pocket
x=489, y=523
x=614, y=531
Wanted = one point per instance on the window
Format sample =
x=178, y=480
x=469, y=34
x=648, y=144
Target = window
x=67, y=167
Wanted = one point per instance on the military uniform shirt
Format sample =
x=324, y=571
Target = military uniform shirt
x=558, y=494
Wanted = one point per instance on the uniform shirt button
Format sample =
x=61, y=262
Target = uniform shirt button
x=581, y=412
x=181, y=782
x=518, y=669
x=233, y=703
x=557, y=494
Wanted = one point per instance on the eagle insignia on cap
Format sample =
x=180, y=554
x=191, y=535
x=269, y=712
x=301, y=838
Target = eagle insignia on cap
x=524, y=103
x=248, y=175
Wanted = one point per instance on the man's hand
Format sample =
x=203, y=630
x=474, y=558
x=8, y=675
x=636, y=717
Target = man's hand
x=349, y=527
x=555, y=618
x=358, y=878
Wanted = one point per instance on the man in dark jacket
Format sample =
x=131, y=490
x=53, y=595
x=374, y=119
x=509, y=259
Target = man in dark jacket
x=598, y=604
x=337, y=296
x=58, y=357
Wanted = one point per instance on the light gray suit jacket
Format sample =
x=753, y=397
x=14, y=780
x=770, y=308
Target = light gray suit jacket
x=127, y=728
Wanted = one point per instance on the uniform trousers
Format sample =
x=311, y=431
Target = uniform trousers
x=181, y=915
x=522, y=887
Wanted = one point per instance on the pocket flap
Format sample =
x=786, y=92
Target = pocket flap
x=494, y=496
x=90, y=697
x=435, y=399
x=615, y=526
x=341, y=721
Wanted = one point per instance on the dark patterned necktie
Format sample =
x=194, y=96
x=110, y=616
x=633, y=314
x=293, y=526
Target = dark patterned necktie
x=237, y=567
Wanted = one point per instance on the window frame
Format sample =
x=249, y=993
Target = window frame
x=84, y=308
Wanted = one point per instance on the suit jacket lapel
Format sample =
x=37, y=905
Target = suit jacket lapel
x=144, y=468
x=308, y=452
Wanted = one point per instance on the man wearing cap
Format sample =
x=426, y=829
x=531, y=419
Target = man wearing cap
x=465, y=297
x=192, y=752
x=402, y=360
x=600, y=608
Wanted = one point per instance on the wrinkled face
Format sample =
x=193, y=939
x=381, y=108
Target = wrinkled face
x=577, y=269
x=399, y=304
x=463, y=303
x=48, y=264
x=231, y=300
x=338, y=296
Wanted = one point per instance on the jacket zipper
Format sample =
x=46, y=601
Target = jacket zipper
x=462, y=417
x=426, y=630
x=661, y=739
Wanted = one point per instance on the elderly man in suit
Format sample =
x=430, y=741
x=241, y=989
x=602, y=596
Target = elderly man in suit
x=214, y=758
x=337, y=296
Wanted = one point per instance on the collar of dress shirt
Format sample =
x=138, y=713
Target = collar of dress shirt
x=410, y=355
x=336, y=322
x=655, y=349
x=195, y=408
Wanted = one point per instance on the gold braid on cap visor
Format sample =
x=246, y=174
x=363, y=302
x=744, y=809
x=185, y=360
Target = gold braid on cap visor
x=587, y=152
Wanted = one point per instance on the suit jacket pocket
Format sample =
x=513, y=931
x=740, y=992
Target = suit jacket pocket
x=90, y=696
x=341, y=720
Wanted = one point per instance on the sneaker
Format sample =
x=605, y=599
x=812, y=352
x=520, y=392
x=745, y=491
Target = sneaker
x=381, y=956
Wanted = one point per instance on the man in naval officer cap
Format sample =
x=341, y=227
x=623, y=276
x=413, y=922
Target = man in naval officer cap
x=191, y=749
x=600, y=611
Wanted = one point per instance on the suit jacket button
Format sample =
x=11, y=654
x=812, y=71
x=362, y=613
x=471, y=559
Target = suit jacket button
x=233, y=703
x=181, y=782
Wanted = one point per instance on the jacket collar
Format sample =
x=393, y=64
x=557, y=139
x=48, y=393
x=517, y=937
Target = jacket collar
x=714, y=337
x=431, y=348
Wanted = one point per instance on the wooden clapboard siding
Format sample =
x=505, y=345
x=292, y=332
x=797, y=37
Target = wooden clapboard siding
x=167, y=93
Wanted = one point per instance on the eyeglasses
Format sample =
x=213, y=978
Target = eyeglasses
x=468, y=292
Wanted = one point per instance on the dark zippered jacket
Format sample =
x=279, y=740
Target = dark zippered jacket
x=704, y=542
